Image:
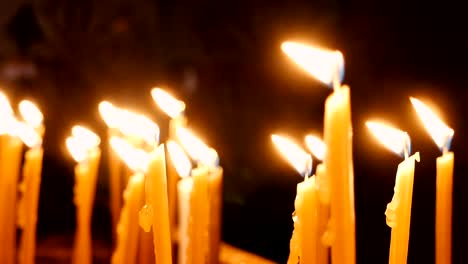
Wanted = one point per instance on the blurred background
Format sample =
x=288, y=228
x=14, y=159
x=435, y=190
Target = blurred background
x=224, y=59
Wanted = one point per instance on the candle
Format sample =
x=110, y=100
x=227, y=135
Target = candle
x=10, y=160
x=30, y=134
x=174, y=108
x=306, y=243
x=399, y=209
x=328, y=67
x=183, y=167
x=205, y=201
x=83, y=146
x=126, y=250
x=442, y=136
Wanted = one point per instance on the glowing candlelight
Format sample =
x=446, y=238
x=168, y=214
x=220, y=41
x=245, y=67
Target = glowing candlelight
x=196, y=148
x=31, y=113
x=442, y=136
x=399, y=209
x=316, y=146
x=168, y=103
x=294, y=154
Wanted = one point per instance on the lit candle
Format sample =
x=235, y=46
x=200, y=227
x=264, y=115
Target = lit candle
x=328, y=67
x=31, y=134
x=174, y=108
x=442, y=135
x=184, y=189
x=205, y=218
x=10, y=161
x=305, y=245
x=126, y=250
x=84, y=148
x=318, y=149
x=399, y=209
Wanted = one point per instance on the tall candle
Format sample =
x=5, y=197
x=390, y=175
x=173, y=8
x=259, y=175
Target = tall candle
x=442, y=136
x=215, y=192
x=31, y=135
x=328, y=67
x=83, y=145
x=115, y=183
x=399, y=209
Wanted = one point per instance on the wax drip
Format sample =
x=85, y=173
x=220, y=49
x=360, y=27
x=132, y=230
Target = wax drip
x=145, y=216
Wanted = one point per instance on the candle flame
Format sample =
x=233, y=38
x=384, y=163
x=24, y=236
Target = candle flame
x=135, y=158
x=179, y=159
x=129, y=123
x=394, y=139
x=168, y=103
x=27, y=134
x=325, y=65
x=439, y=131
x=5, y=107
x=316, y=146
x=31, y=113
x=81, y=143
x=294, y=154
x=196, y=148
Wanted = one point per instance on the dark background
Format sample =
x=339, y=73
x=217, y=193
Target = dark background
x=224, y=59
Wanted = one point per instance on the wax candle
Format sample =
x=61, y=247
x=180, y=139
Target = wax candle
x=31, y=135
x=10, y=159
x=306, y=243
x=215, y=192
x=174, y=108
x=399, y=209
x=126, y=250
x=442, y=136
x=83, y=146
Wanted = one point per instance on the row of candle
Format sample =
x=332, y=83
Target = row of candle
x=324, y=205
x=146, y=203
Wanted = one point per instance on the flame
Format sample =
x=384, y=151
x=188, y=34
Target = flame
x=316, y=146
x=129, y=123
x=81, y=142
x=298, y=158
x=322, y=64
x=196, y=148
x=179, y=159
x=5, y=107
x=27, y=134
x=170, y=105
x=135, y=158
x=109, y=113
x=439, y=131
x=31, y=113
x=394, y=139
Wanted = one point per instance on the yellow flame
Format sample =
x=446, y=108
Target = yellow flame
x=31, y=113
x=135, y=158
x=8, y=125
x=27, y=134
x=109, y=113
x=168, y=103
x=81, y=142
x=294, y=154
x=5, y=107
x=196, y=148
x=316, y=146
x=178, y=158
x=439, y=131
x=325, y=65
x=394, y=139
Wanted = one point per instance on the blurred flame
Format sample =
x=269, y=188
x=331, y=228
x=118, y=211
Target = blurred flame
x=31, y=113
x=81, y=142
x=168, y=103
x=196, y=148
x=135, y=158
x=322, y=64
x=129, y=123
x=5, y=107
x=439, y=131
x=394, y=139
x=294, y=154
x=180, y=161
x=316, y=146
x=27, y=134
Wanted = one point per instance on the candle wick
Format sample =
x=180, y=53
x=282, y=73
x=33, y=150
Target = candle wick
x=407, y=149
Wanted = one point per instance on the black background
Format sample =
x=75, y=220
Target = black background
x=224, y=59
